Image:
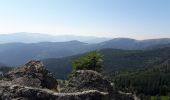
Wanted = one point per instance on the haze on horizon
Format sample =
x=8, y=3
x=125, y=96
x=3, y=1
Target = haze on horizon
x=139, y=19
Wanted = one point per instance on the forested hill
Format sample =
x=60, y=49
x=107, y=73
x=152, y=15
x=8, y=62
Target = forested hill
x=114, y=60
x=146, y=82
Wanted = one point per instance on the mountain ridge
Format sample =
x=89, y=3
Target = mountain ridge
x=25, y=37
x=28, y=51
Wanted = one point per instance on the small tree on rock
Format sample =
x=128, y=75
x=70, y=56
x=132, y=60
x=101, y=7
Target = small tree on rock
x=92, y=61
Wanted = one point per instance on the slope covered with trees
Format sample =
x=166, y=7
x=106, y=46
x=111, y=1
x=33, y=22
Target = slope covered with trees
x=149, y=81
x=114, y=60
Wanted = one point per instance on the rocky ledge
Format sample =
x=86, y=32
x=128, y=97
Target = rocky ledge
x=16, y=92
x=34, y=82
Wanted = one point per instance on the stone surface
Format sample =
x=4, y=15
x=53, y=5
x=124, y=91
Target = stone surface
x=9, y=91
x=83, y=80
x=33, y=82
x=32, y=74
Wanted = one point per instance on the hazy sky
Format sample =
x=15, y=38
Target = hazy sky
x=110, y=18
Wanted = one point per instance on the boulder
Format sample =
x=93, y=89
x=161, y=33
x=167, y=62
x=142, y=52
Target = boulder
x=84, y=80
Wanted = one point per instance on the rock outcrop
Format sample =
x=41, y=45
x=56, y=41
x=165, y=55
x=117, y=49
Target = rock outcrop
x=32, y=74
x=84, y=80
x=9, y=91
x=33, y=82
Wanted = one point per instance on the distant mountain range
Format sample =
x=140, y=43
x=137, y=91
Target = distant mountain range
x=19, y=53
x=131, y=44
x=114, y=60
x=24, y=37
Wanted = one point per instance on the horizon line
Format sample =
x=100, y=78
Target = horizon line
x=94, y=36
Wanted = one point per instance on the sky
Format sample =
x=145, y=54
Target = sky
x=140, y=19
